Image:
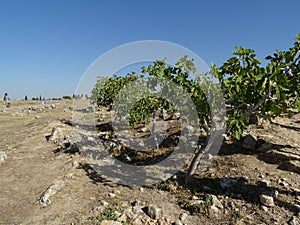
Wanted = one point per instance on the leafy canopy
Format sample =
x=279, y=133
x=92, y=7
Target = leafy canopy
x=249, y=89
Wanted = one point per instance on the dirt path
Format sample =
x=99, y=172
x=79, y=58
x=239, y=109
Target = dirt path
x=31, y=165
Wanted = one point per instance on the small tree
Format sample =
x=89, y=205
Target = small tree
x=249, y=89
x=252, y=90
x=67, y=97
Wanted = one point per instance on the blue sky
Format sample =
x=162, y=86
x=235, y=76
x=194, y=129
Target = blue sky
x=46, y=46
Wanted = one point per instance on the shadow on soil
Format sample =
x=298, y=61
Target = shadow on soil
x=95, y=176
x=288, y=127
x=239, y=189
x=236, y=148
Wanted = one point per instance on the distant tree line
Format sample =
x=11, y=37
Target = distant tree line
x=40, y=98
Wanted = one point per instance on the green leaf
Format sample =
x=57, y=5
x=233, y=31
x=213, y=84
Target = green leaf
x=269, y=57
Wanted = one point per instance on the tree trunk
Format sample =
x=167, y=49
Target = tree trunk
x=205, y=153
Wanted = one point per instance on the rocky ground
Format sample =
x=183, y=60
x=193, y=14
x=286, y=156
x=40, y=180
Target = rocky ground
x=45, y=180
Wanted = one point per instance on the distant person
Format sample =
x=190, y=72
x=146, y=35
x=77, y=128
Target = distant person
x=5, y=99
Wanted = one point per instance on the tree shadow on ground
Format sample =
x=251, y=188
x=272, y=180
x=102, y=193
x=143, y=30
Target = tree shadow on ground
x=237, y=188
x=287, y=126
x=96, y=178
x=70, y=149
x=100, y=127
x=92, y=174
x=232, y=148
x=266, y=156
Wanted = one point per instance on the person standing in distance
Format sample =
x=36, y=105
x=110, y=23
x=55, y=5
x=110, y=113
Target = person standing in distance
x=5, y=99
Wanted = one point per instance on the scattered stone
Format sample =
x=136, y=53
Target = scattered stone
x=137, y=208
x=123, y=218
x=112, y=195
x=249, y=142
x=92, y=139
x=65, y=144
x=68, y=176
x=129, y=213
x=137, y=221
x=294, y=221
x=139, y=126
x=50, y=191
x=154, y=212
x=75, y=164
x=103, y=203
x=144, y=130
x=266, y=200
x=135, y=203
x=126, y=158
x=183, y=216
x=163, y=221
x=177, y=223
x=97, y=209
x=210, y=157
x=282, y=182
x=216, y=202
x=215, y=210
x=264, y=208
x=56, y=135
x=3, y=157
x=195, y=197
x=166, y=115
x=117, y=192
x=271, y=173
x=275, y=194
x=176, y=116
x=232, y=205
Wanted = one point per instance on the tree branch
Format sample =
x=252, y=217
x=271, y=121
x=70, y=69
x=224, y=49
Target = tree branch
x=253, y=108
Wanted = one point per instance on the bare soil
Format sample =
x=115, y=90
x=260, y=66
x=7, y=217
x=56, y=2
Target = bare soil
x=33, y=164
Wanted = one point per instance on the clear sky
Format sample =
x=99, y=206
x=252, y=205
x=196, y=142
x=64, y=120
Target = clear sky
x=45, y=46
